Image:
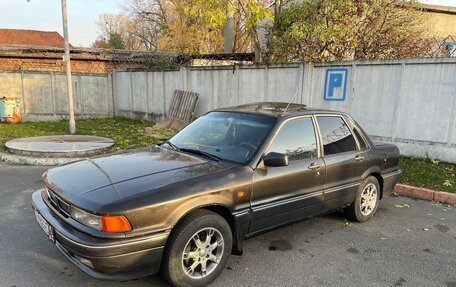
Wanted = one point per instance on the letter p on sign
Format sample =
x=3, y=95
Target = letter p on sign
x=336, y=84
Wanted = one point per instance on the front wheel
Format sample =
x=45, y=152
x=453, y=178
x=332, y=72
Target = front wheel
x=198, y=249
x=366, y=201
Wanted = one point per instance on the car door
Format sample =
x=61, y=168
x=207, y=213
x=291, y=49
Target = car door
x=345, y=162
x=289, y=193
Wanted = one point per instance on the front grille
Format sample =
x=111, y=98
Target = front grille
x=59, y=204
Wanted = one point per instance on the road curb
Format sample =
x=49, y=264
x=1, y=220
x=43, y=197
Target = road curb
x=28, y=160
x=426, y=194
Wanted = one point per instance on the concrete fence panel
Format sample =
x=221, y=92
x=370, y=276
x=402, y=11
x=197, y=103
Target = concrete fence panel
x=139, y=92
x=38, y=96
x=11, y=85
x=282, y=83
x=155, y=94
x=224, y=88
x=377, y=93
x=44, y=94
x=427, y=102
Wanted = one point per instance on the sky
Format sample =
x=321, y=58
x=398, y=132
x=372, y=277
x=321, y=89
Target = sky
x=46, y=15
x=82, y=16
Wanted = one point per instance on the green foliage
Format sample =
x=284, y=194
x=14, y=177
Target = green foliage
x=255, y=13
x=115, y=42
x=211, y=14
x=428, y=174
x=127, y=134
x=101, y=44
x=164, y=62
x=322, y=30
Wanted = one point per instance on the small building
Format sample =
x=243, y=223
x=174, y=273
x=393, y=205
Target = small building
x=42, y=51
x=442, y=19
x=83, y=60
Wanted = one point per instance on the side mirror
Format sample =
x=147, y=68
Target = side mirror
x=275, y=159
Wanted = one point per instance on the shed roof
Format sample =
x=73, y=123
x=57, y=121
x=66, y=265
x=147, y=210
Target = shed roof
x=30, y=38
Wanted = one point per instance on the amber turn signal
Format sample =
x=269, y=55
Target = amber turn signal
x=115, y=224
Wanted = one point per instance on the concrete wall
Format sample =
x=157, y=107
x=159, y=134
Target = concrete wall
x=44, y=95
x=409, y=102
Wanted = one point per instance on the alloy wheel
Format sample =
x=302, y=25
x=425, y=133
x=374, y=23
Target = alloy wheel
x=368, y=199
x=202, y=253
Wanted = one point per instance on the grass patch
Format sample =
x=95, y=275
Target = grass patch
x=127, y=133
x=428, y=173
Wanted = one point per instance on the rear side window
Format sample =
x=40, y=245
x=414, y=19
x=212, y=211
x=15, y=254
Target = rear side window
x=335, y=135
x=362, y=143
x=296, y=139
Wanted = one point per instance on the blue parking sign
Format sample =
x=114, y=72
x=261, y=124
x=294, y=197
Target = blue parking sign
x=336, y=84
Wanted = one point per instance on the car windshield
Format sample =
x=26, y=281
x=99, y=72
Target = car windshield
x=228, y=136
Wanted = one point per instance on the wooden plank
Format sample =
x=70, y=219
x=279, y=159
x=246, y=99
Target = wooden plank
x=183, y=105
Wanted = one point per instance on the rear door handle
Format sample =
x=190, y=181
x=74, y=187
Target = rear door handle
x=359, y=158
x=314, y=166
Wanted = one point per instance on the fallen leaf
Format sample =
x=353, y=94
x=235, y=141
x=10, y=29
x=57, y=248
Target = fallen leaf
x=402, y=205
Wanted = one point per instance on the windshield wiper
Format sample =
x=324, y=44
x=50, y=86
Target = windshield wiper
x=200, y=152
x=171, y=145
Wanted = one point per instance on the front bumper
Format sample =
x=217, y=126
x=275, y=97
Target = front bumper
x=104, y=258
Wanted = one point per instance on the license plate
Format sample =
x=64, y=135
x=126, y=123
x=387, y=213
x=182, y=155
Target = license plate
x=48, y=229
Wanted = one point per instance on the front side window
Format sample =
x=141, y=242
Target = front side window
x=335, y=135
x=296, y=139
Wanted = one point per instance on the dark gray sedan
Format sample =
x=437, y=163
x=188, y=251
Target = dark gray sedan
x=185, y=206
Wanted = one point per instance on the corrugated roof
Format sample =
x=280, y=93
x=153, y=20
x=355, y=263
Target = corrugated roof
x=30, y=38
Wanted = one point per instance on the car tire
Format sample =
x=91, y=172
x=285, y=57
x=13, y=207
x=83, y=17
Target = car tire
x=177, y=265
x=366, y=202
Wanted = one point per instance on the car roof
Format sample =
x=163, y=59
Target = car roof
x=276, y=109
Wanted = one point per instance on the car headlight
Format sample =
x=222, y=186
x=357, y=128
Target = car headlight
x=106, y=223
x=86, y=218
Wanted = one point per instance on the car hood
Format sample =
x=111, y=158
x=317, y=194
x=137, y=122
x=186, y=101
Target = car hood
x=101, y=180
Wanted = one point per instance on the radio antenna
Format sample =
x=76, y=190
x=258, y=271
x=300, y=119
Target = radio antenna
x=289, y=103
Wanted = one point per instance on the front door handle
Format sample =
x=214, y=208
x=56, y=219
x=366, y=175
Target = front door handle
x=359, y=158
x=314, y=166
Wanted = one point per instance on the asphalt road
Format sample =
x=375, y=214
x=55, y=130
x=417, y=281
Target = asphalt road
x=408, y=246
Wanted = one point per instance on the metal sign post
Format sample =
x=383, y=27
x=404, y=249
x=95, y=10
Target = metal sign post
x=66, y=58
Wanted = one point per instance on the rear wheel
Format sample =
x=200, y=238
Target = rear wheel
x=366, y=201
x=198, y=249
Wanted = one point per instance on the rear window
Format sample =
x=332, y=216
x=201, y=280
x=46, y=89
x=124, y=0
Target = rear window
x=335, y=135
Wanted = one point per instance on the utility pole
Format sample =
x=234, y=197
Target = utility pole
x=228, y=34
x=66, y=58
